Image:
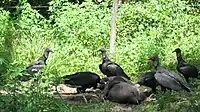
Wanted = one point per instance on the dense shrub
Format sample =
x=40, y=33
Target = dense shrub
x=157, y=27
x=6, y=44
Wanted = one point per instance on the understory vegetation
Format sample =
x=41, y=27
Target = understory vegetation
x=75, y=32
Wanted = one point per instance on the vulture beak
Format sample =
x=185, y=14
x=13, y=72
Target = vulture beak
x=48, y=50
x=51, y=51
x=150, y=59
x=173, y=51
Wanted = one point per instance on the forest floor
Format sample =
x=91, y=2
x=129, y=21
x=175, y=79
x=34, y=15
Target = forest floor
x=93, y=97
x=64, y=99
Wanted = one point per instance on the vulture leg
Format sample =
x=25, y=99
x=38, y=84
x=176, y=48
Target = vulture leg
x=153, y=90
x=95, y=86
x=187, y=79
x=81, y=90
x=163, y=89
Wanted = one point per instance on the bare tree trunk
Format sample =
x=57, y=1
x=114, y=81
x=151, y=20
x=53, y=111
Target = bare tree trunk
x=113, y=27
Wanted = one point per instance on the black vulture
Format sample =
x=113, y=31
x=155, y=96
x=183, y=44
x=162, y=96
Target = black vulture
x=148, y=79
x=82, y=80
x=123, y=92
x=166, y=78
x=187, y=70
x=35, y=67
x=40, y=63
x=110, y=68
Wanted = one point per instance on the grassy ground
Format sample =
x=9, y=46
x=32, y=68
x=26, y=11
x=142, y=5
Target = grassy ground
x=38, y=100
x=42, y=103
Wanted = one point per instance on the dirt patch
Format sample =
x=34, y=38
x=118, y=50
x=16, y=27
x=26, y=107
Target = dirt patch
x=125, y=108
x=94, y=96
x=63, y=89
x=131, y=107
x=70, y=94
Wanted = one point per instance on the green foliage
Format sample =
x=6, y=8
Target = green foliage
x=37, y=102
x=8, y=2
x=15, y=2
x=76, y=32
x=80, y=31
x=173, y=101
x=157, y=27
x=6, y=47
